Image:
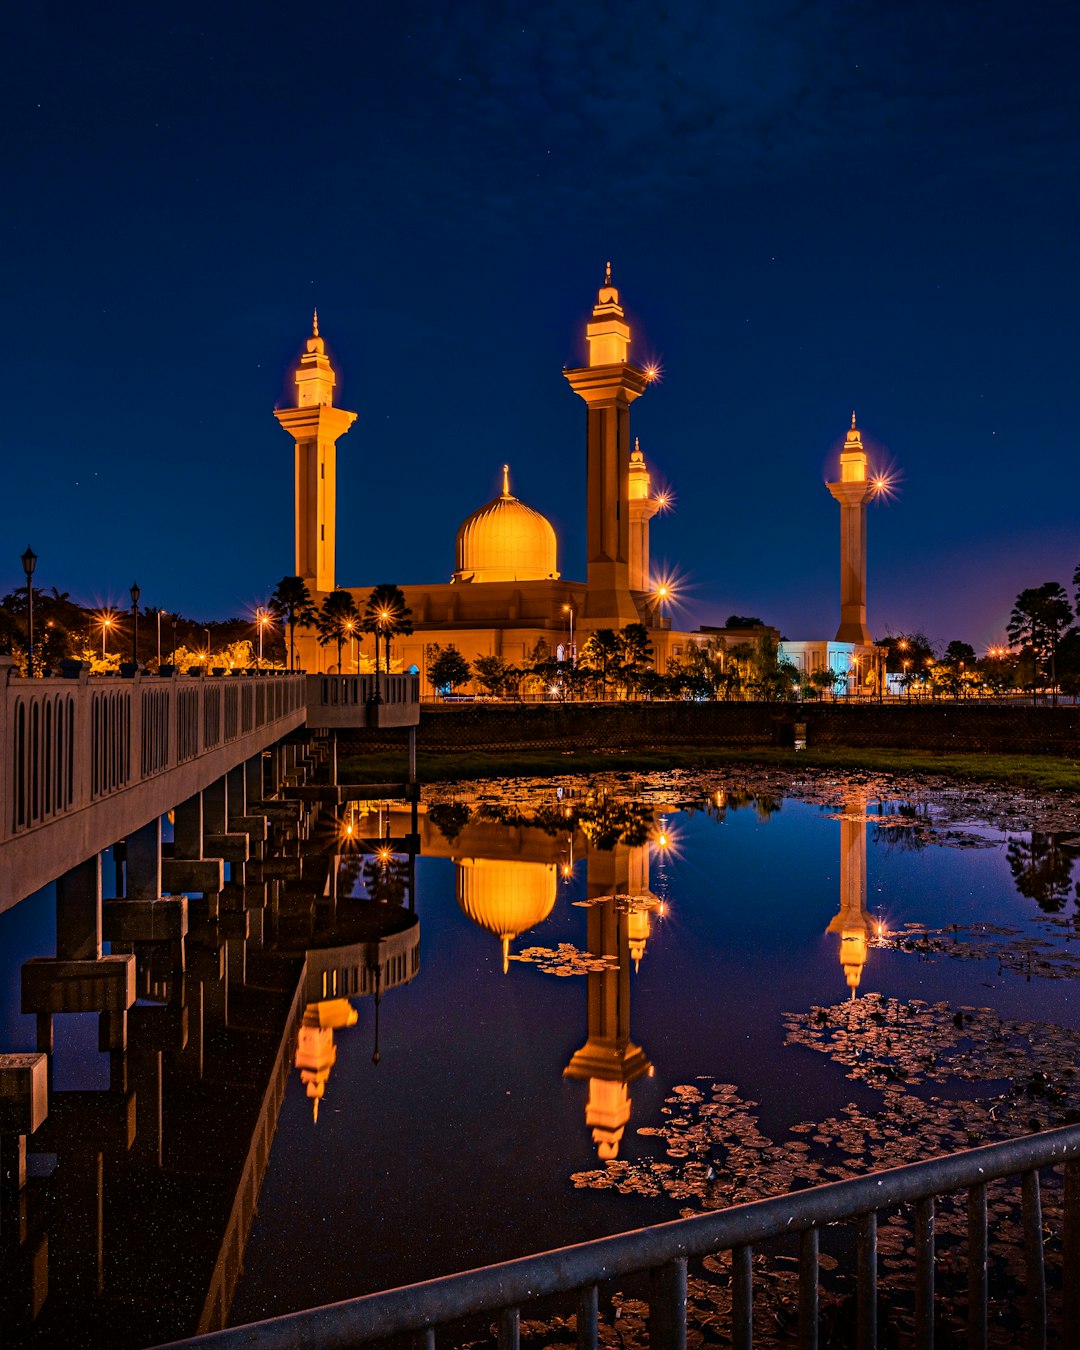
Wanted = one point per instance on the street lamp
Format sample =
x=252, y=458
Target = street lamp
x=350, y=628
x=159, y=614
x=262, y=619
x=662, y=593
x=207, y=632
x=569, y=609
x=106, y=624
x=135, y=593
x=172, y=657
x=29, y=561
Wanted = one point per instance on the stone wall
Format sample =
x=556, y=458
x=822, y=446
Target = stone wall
x=939, y=727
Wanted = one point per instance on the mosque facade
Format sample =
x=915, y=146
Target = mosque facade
x=506, y=595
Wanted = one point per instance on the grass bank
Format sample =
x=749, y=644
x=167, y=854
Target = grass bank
x=1046, y=773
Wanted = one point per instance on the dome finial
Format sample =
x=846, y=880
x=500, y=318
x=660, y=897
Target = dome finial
x=506, y=480
x=315, y=324
x=853, y=419
x=607, y=275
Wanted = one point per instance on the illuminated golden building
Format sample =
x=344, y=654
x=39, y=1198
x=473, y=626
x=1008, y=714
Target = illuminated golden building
x=506, y=596
x=854, y=925
x=506, y=895
x=853, y=491
x=315, y=425
x=609, y=1060
x=316, y=1053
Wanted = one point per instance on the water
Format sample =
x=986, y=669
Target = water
x=439, y=1126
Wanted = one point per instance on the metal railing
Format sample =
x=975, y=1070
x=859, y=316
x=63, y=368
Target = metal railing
x=663, y=1251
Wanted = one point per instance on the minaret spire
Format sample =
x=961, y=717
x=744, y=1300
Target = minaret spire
x=506, y=480
x=315, y=333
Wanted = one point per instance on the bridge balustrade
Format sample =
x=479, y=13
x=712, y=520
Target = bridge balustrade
x=355, y=701
x=67, y=744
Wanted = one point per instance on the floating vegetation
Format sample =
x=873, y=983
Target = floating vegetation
x=947, y=1077
x=565, y=959
x=1033, y=957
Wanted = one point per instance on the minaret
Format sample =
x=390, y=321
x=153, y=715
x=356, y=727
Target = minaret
x=642, y=509
x=609, y=1060
x=853, y=492
x=315, y=425
x=608, y=384
x=853, y=923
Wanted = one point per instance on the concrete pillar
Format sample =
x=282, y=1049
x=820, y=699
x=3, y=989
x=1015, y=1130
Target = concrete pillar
x=412, y=754
x=78, y=912
x=216, y=807
x=188, y=828
x=253, y=778
x=333, y=759
x=236, y=782
x=144, y=862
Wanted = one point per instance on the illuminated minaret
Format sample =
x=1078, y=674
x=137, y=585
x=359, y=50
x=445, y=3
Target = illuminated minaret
x=609, y=1060
x=608, y=384
x=853, y=492
x=315, y=425
x=853, y=923
x=642, y=509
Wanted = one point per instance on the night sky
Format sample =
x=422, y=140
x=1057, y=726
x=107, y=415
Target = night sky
x=808, y=207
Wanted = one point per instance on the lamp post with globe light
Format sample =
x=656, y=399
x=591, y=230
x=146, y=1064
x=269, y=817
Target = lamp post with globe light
x=29, y=561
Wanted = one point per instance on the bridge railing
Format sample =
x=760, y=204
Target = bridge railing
x=355, y=701
x=68, y=743
x=663, y=1251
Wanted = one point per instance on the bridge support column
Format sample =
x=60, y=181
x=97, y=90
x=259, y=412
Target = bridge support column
x=24, y=1104
x=253, y=778
x=215, y=801
x=412, y=754
x=78, y=912
x=144, y=862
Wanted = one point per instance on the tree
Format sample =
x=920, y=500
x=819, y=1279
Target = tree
x=336, y=619
x=493, y=674
x=826, y=679
x=387, y=615
x=957, y=660
x=1039, y=617
x=635, y=654
x=446, y=667
x=291, y=603
x=743, y=621
x=601, y=654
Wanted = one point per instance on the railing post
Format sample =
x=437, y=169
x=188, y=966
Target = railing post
x=1036, y=1274
x=667, y=1306
x=808, y=1289
x=1070, y=1259
x=977, y=1267
x=510, y=1329
x=924, y=1273
x=866, y=1260
x=588, y=1318
x=742, y=1298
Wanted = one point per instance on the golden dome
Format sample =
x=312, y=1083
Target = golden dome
x=505, y=541
x=506, y=895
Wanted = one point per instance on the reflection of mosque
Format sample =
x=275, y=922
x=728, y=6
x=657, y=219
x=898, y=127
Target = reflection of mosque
x=854, y=924
x=507, y=882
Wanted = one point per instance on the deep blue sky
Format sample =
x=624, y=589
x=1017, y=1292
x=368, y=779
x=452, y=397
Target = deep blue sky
x=809, y=207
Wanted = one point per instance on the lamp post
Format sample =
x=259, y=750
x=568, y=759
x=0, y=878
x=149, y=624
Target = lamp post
x=350, y=628
x=135, y=593
x=260, y=619
x=172, y=657
x=159, y=614
x=106, y=624
x=207, y=632
x=29, y=561
x=569, y=609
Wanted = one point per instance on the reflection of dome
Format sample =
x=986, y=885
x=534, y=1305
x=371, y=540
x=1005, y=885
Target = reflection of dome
x=506, y=896
x=505, y=541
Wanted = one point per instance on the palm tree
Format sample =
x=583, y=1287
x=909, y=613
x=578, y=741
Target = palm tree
x=336, y=620
x=291, y=603
x=601, y=653
x=1039, y=617
x=386, y=614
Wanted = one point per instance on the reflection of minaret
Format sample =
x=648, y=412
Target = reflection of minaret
x=316, y=1053
x=642, y=509
x=608, y=384
x=609, y=1059
x=315, y=425
x=853, y=492
x=853, y=923
x=507, y=896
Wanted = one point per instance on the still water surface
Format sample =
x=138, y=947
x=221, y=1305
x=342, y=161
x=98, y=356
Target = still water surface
x=578, y=956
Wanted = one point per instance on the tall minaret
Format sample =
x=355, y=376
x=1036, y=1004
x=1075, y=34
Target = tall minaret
x=315, y=425
x=853, y=923
x=853, y=492
x=608, y=384
x=642, y=509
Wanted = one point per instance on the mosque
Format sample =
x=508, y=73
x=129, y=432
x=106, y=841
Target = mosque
x=506, y=596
